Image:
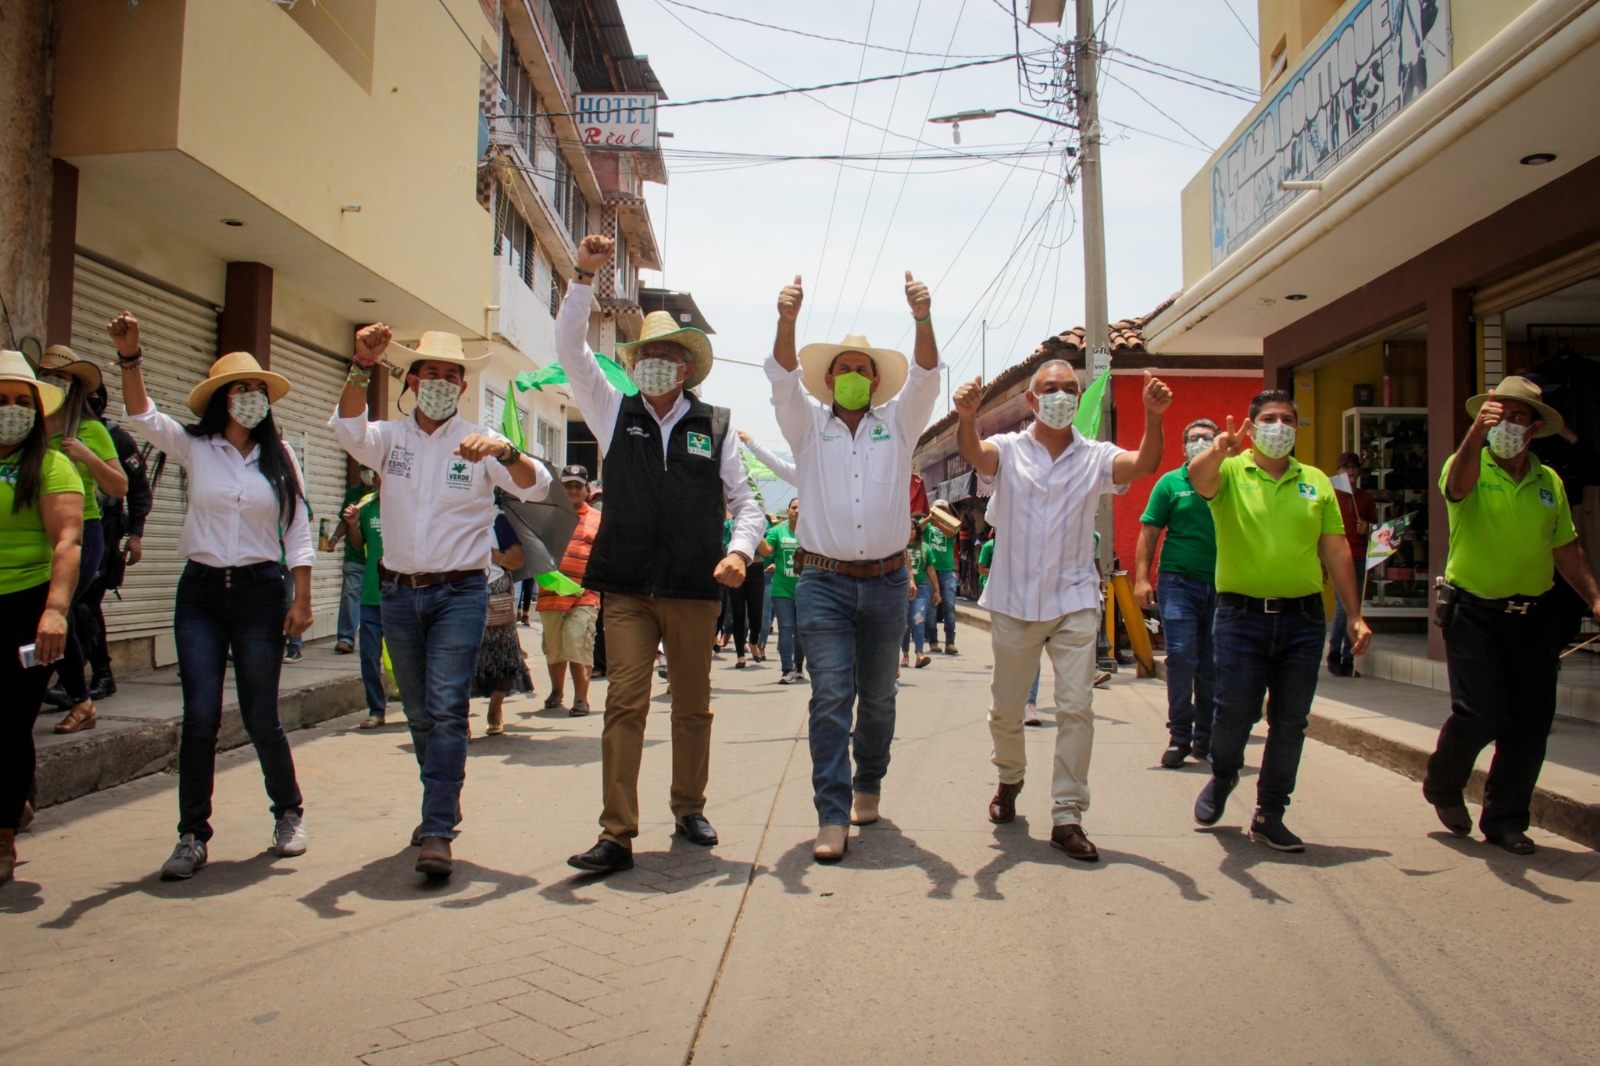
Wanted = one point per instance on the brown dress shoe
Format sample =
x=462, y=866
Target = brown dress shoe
x=1003, y=808
x=434, y=858
x=8, y=854
x=1071, y=839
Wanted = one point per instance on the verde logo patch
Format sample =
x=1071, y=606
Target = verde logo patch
x=458, y=474
x=700, y=444
x=1547, y=497
x=1307, y=492
x=881, y=433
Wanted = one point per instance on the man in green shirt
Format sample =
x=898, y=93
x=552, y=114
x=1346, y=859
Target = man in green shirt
x=1188, y=597
x=355, y=566
x=1510, y=530
x=362, y=519
x=939, y=548
x=779, y=545
x=1277, y=526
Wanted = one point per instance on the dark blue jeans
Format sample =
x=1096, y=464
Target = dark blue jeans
x=433, y=635
x=70, y=668
x=791, y=651
x=852, y=631
x=371, y=648
x=241, y=609
x=350, y=578
x=945, y=612
x=1272, y=657
x=1339, y=634
x=1188, y=608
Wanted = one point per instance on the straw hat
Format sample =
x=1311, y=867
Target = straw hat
x=14, y=366
x=59, y=359
x=437, y=346
x=1523, y=391
x=236, y=366
x=661, y=326
x=816, y=358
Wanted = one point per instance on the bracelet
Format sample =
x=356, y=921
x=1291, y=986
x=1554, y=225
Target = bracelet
x=582, y=273
x=135, y=364
x=129, y=362
x=922, y=321
x=359, y=375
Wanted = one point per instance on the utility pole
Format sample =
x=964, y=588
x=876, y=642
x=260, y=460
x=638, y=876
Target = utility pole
x=1097, y=330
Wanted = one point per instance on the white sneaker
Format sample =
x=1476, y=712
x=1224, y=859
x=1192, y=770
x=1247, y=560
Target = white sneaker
x=289, y=836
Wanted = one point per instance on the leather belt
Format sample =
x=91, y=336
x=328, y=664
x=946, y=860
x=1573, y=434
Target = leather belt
x=1509, y=605
x=1272, y=605
x=859, y=571
x=427, y=580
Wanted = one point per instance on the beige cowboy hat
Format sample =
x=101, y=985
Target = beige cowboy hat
x=14, y=366
x=59, y=359
x=660, y=326
x=437, y=346
x=816, y=358
x=236, y=366
x=1523, y=391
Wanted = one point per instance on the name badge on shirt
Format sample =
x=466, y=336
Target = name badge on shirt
x=1547, y=497
x=700, y=444
x=458, y=475
x=1307, y=492
x=881, y=433
x=399, y=464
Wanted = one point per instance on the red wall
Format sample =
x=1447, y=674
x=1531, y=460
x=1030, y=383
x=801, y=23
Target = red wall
x=1192, y=398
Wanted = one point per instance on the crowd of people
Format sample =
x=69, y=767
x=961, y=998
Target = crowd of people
x=683, y=559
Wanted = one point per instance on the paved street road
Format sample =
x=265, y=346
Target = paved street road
x=941, y=939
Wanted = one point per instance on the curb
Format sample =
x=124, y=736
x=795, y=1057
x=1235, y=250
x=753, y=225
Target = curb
x=70, y=771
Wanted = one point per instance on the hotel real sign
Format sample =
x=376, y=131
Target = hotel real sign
x=616, y=120
x=1382, y=55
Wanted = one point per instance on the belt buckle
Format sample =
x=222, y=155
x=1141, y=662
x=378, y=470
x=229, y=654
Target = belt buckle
x=1272, y=605
x=1519, y=608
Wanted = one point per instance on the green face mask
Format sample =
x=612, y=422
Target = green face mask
x=852, y=391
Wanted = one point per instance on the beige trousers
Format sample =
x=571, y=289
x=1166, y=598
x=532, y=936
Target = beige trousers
x=1069, y=641
x=686, y=628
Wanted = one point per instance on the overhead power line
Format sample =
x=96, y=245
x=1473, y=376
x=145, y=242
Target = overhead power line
x=1242, y=24
x=824, y=37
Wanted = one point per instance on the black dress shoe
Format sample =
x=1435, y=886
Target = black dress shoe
x=57, y=696
x=1213, y=799
x=604, y=858
x=1172, y=758
x=696, y=830
x=101, y=688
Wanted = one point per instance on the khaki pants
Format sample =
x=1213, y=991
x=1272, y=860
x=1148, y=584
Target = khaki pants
x=1069, y=641
x=687, y=628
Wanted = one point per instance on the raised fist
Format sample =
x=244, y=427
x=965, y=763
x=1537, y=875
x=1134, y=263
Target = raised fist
x=594, y=252
x=124, y=331
x=372, y=342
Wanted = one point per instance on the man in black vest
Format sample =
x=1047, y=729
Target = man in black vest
x=670, y=471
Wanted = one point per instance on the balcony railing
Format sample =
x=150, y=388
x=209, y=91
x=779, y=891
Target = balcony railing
x=557, y=47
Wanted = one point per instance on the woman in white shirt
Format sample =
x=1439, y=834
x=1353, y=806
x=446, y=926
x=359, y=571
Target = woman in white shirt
x=247, y=511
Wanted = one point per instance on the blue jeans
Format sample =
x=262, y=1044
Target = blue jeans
x=350, y=601
x=242, y=609
x=917, y=618
x=945, y=612
x=1339, y=635
x=433, y=635
x=70, y=668
x=1272, y=657
x=1033, y=693
x=372, y=658
x=291, y=645
x=851, y=628
x=767, y=610
x=1188, y=608
x=791, y=651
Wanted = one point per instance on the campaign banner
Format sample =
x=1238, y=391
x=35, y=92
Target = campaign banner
x=616, y=120
x=1384, y=540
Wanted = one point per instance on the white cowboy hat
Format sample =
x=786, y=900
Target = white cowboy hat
x=815, y=359
x=235, y=366
x=437, y=346
x=59, y=359
x=14, y=366
x=660, y=326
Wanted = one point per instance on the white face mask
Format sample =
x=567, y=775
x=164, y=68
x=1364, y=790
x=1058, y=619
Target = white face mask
x=249, y=408
x=1508, y=439
x=1057, y=409
x=437, y=398
x=1197, y=447
x=1274, y=439
x=655, y=376
x=368, y=477
x=16, y=422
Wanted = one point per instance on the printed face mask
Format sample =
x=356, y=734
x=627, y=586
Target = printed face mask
x=655, y=376
x=1507, y=439
x=367, y=478
x=852, y=391
x=1274, y=439
x=1058, y=409
x=16, y=422
x=438, y=398
x=1197, y=447
x=249, y=408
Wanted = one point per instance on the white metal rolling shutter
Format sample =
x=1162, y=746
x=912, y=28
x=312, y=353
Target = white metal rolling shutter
x=302, y=419
x=179, y=336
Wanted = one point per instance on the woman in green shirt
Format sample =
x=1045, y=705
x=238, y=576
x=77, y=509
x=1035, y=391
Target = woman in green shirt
x=75, y=433
x=41, y=519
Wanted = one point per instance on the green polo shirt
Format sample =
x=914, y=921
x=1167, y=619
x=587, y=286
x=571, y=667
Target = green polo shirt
x=985, y=559
x=372, y=536
x=1267, y=530
x=1502, y=534
x=1190, y=547
x=784, y=545
x=97, y=439
x=940, y=549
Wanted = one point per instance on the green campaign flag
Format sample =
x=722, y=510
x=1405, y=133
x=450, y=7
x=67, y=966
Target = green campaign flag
x=1087, y=421
x=756, y=469
x=559, y=583
x=554, y=375
x=511, y=423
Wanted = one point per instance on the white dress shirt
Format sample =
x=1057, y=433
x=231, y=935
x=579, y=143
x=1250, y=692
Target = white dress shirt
x=855, y=492
x=438, y=509
x=600, y=401
x=775, y=462
x=1043, y=512
x=233, y=517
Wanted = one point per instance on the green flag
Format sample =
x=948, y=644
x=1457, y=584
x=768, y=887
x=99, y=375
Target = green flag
x=1087, y=421
x=559, y=583
x=511, y=423
x=756, y=469
x=554, y=375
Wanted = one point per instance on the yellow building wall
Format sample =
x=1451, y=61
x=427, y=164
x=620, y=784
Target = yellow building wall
x=1473, y=23
x=1335, y=396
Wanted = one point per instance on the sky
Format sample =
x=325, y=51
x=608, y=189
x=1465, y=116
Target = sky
x=997, y=240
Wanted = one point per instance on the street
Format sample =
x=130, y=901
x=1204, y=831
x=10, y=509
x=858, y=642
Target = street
x=940, y=938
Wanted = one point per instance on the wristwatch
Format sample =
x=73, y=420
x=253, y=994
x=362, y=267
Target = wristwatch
x=513, y=453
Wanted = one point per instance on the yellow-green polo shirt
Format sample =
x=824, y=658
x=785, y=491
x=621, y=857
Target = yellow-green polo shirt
x=1503, y=533
x=1267, y=530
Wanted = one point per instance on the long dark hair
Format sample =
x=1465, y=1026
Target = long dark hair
x=30, y=461
x=274, y=454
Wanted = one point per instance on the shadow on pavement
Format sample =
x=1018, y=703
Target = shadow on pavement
x=394, y=880
x=1514, y=869
x=1014, y=845
x=20, y=897
x=516, y=748
x=213, y=879
x=1243, y=855
x=681, y=867
x=881, y=846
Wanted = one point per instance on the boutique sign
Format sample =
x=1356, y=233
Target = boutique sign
x=616, y=120
x=1382, y=55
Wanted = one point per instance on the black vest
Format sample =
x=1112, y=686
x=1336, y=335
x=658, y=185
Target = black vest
x=662, y=533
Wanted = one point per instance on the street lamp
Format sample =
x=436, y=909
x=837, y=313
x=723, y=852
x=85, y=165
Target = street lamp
x=954, y=121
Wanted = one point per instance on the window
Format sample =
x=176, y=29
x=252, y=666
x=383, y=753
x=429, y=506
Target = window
x=514, y=239
x=547, y=442
x=494, y=410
